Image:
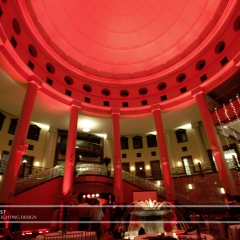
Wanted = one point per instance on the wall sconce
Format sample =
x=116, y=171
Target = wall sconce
x=179, y=163
x=222, y=190
x=147, y=167
x=158, y=183
x=37, y=164
x=132, y=168
x=189, y=186
x=197, y=161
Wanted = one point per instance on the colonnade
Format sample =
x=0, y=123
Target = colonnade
x=19, y=145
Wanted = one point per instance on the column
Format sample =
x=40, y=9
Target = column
x=117, y=163
x=70, y=155
x=168, y=181
x=50, y=146
x=202, y=150
x=109, y=149
x=217, y=151
x=169, y=149
x=19, y=145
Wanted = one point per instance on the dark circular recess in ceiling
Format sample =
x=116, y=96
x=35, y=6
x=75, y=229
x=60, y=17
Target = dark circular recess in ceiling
x=87, y=88
x=16, y=26
x=200, y=65
x=220, y=47
x=105, y=92
x=181, y=77
x=124, y=93
x=68, y=80
x=143, y=91
x=50, y=68
x=32, y=50
x=161, y=86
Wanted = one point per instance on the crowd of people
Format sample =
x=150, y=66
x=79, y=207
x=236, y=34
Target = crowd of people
x=89, y=215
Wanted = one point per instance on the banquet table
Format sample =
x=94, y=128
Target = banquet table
x=150, y=235
x=86, y=235
x=234, y=231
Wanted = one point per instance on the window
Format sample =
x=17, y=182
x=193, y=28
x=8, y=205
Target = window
x=181, y=135
x=124, y=143
x=137, y=142
x=139, y=155
x=124, y=155
x=184, y=149
x=33, y=132
x=153, y=153
x=12, y=127
x=151, y=141
x=2, y=117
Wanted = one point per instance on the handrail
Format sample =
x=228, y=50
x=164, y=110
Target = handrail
x=38, y=178
x=42, y=175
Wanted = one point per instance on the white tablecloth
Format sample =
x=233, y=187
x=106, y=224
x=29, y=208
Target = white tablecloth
x=86, y=235
x=233, y=233
x=147, y=236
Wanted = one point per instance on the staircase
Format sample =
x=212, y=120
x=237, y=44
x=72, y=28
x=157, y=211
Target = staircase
x=48, y=174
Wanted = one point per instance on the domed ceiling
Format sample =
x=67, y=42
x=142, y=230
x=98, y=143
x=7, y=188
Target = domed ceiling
x=124, y=38
x=127, y=56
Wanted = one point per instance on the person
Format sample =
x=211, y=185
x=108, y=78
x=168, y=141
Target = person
x=54, y=225
x=229, y=200
x=97, y=214
x=73, y=217
x=84, y=215
x=105, y=221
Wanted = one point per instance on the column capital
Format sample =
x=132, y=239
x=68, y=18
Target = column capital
x=197, y=91
x=75, y=103
x=155, y=107
x=115, y=111
x=34, y=80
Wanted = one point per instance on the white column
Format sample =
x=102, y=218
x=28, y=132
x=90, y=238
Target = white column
x=50, y=146
x=202, y=151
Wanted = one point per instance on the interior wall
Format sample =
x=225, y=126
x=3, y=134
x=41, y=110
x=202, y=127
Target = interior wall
x=39, y=146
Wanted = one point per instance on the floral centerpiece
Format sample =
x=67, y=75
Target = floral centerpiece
x=64, y=200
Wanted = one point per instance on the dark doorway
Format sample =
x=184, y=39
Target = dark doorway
x=156, y=170
x=126, y=167
x=140, y=169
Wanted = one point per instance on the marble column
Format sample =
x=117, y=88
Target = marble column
x=19, y=145
x=117, y=163
x=168, y=181
x=70, y=154
x=217, y=151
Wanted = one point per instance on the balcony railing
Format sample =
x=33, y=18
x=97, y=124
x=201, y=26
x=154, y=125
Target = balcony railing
x=91, y=168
